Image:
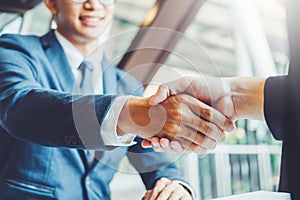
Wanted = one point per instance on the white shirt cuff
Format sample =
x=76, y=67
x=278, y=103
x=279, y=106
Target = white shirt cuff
x=109, y=125
x=189, y=188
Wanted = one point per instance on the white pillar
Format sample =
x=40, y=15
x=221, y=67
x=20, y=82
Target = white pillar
x=247, y=22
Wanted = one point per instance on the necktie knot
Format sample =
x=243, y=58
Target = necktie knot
x=85, y=65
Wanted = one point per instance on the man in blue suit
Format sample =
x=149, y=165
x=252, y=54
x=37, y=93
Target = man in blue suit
x=46, y=129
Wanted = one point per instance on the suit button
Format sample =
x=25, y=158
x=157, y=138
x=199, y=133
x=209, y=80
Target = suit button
x=67, y=139
x=73, y=140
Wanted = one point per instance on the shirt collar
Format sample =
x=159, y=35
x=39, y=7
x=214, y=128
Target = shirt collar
x=74, y=57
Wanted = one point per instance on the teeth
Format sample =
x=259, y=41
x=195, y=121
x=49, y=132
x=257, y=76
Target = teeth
x=91, y=19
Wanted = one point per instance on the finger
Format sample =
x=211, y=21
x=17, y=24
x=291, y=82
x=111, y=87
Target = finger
x=197, y=137
x=161, y=95
x=192, y=146
x=207, y=128
x=166, y=192
x=180, y=194
x=146, y=144
x=159, y=186
x=165, y=143
x=147, y=195
x=176, y=146
x=208, y=113
x=176, y=195
x=186, y=196
x=155, y=142
x=210, y=133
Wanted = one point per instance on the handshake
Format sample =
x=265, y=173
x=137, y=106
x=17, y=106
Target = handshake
x=189, y=114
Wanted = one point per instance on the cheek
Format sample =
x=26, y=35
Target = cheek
x=66, y=19
x=110, y=12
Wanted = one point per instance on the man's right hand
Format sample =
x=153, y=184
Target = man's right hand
x=182, y=118
x=215, y=92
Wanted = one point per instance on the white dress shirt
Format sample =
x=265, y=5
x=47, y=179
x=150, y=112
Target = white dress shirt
x=109, y=124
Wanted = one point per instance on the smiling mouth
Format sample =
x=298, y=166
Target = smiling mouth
x=91, y=19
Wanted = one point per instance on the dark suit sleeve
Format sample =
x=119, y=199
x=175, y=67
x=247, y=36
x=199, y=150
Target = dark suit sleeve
x=282, y=93
x=275, y=104
x=33, y=113
x=282, y=113
x=282, y=110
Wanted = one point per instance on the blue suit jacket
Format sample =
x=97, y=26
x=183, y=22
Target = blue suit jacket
x=42, y=155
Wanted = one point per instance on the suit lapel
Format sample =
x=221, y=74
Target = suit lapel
x=62, y=70
x=109, y=77
x=58, y=61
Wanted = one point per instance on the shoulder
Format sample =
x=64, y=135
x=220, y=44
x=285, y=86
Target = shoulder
x=13, y=40
x=12, y=45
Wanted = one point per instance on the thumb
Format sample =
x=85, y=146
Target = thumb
x=161, y=94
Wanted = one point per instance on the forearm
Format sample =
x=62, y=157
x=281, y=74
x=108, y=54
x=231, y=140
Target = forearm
x=247, y=94
x=57, y=119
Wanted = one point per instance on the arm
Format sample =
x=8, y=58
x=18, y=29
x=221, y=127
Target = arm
x=228, y=95
x=33, y=113
x=47, y=117
x=234, y=97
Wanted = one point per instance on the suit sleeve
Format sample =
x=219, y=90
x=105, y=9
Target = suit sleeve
x=274, y=104
x=282, y=93
x=32, y=113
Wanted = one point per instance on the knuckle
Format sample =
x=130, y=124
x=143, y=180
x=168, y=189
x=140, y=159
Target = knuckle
x=173, y=128
x=205, y=127
x=195, y=121
x=176, y=111
x=162, y=180
x=181, y=97
x=189, y=134
x=212, y=129
x=173, y=185
x=199, y=139
x=208, y=114
x=174, y=99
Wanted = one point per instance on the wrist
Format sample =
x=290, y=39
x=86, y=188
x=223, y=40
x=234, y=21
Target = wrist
x=247, y=95
x=130, y=119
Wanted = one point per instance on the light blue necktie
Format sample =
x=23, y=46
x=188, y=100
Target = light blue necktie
x=86, y=87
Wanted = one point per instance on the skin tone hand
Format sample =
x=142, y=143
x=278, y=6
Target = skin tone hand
x=166, y=189
x=180, y=118
x=234, y=97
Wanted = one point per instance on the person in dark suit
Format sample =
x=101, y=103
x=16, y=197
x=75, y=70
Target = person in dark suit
x=275, y=99
x=59, y=141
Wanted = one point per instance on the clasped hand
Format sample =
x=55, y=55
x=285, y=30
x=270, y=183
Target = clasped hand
x=182, y=118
